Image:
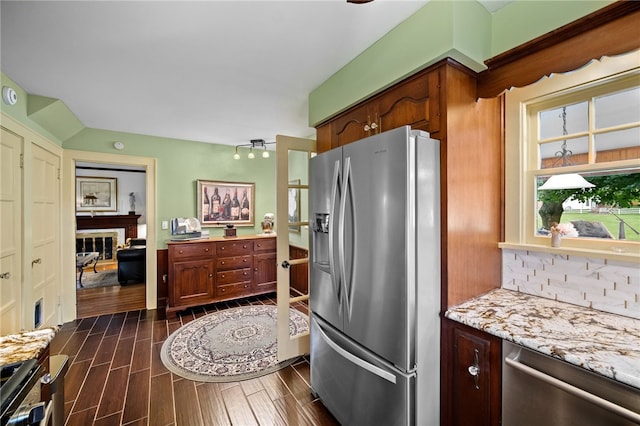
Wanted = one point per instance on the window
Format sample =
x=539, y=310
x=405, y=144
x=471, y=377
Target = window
x=576, y=124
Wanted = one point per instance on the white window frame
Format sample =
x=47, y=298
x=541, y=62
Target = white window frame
x=521, y=154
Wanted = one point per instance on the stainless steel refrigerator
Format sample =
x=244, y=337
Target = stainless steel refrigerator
x=375, y=279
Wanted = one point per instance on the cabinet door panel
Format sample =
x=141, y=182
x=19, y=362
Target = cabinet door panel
x=264, y=272
x=351, y=127
x=407, y=104
x=193, y=282
x=471, y=376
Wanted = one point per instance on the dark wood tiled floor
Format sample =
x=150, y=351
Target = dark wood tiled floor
x=116, y=377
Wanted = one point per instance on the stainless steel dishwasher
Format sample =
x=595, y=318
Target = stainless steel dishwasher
x=540, y=390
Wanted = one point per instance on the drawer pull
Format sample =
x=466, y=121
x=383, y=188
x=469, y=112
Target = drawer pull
x=180, y=251
x=223, y=290
x=222, y=262
x=222, y=275
x=244, y=246
x=244, y=260
x=222, y=248
x=206, y=250
x=210, y=275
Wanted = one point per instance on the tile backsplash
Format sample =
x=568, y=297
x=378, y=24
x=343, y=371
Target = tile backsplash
x=607, y=285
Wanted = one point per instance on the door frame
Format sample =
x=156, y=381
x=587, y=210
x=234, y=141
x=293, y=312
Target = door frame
x=68, y=302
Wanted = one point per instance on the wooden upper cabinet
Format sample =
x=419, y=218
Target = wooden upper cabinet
x=414, y=102
x=354, y=125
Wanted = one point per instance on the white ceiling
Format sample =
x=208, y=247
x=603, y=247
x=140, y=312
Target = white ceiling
x=211, y=71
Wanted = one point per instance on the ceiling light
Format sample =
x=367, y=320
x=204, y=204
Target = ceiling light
x=568, y=180
x=253, y=143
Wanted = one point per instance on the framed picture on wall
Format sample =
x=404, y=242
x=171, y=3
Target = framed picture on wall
x=294, y=206
x=96, y=194
x=220, y=203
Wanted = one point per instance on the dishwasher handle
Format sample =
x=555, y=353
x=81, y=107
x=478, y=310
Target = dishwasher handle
x=577, y=392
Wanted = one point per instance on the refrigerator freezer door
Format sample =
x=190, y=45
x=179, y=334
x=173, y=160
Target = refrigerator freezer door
x=325, y=191
x=356, y=386
x=377, y=242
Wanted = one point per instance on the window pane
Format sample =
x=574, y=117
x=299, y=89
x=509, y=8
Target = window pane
x=616, y=146
x=551, y=154
x=611, y=210
x=618, y=108
x=552, y=123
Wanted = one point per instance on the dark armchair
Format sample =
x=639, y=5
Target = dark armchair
x=132, y=262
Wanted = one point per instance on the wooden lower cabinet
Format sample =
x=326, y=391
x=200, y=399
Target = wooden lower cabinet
x=218, y=269
x=471, y=376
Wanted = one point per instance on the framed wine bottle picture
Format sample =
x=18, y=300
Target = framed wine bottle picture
x=221, y=203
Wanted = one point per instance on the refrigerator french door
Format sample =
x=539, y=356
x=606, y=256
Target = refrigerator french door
x=374, y=277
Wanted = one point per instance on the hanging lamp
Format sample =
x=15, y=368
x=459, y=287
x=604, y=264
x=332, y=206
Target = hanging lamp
x=567, y=180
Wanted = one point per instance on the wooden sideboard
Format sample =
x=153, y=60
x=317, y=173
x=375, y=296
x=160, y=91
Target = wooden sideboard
x=219, y=269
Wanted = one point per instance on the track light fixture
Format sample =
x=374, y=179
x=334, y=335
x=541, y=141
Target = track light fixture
x=253, y=144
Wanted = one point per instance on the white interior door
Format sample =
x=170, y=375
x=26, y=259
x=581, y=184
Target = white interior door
x=45, y=234
x=292, y=223
x=10, y=232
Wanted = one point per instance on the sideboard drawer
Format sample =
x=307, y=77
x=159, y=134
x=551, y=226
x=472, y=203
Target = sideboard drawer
x=236, y=262
x=238, y=275
x=192, y=250
x=264, y=244
x=234, y=248
x=229, y=290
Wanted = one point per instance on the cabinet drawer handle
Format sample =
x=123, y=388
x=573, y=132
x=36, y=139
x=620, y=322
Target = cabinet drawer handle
x=222, y=262
x=259, y=245
x=474, y=369
x=246, y=286
x=206, y=250
x=244, y=246
x=244, y=260
x=245, y=273
x=222, y=248
x=223, y=290
x=222, y=276
x=180, y=251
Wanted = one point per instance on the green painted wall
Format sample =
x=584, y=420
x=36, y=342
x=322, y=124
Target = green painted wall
x=180, y=164
x=460, y=29
x=19, y=110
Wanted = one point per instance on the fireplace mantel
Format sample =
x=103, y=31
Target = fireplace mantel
x=129, y=222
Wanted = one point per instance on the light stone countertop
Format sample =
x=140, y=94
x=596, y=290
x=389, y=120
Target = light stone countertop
x=597, y=341
x=25, y=345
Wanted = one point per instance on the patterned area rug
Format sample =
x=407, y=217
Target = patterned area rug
x=92, y=279
x=231, y=345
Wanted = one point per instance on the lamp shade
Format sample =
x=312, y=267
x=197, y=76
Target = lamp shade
x=566, y=181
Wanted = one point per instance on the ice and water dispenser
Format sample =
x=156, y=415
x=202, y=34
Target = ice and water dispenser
x=321, y=240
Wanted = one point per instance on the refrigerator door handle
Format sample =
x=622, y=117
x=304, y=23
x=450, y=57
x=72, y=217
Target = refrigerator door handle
x=357, y=361
x=335, y=195
x=347, y=189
